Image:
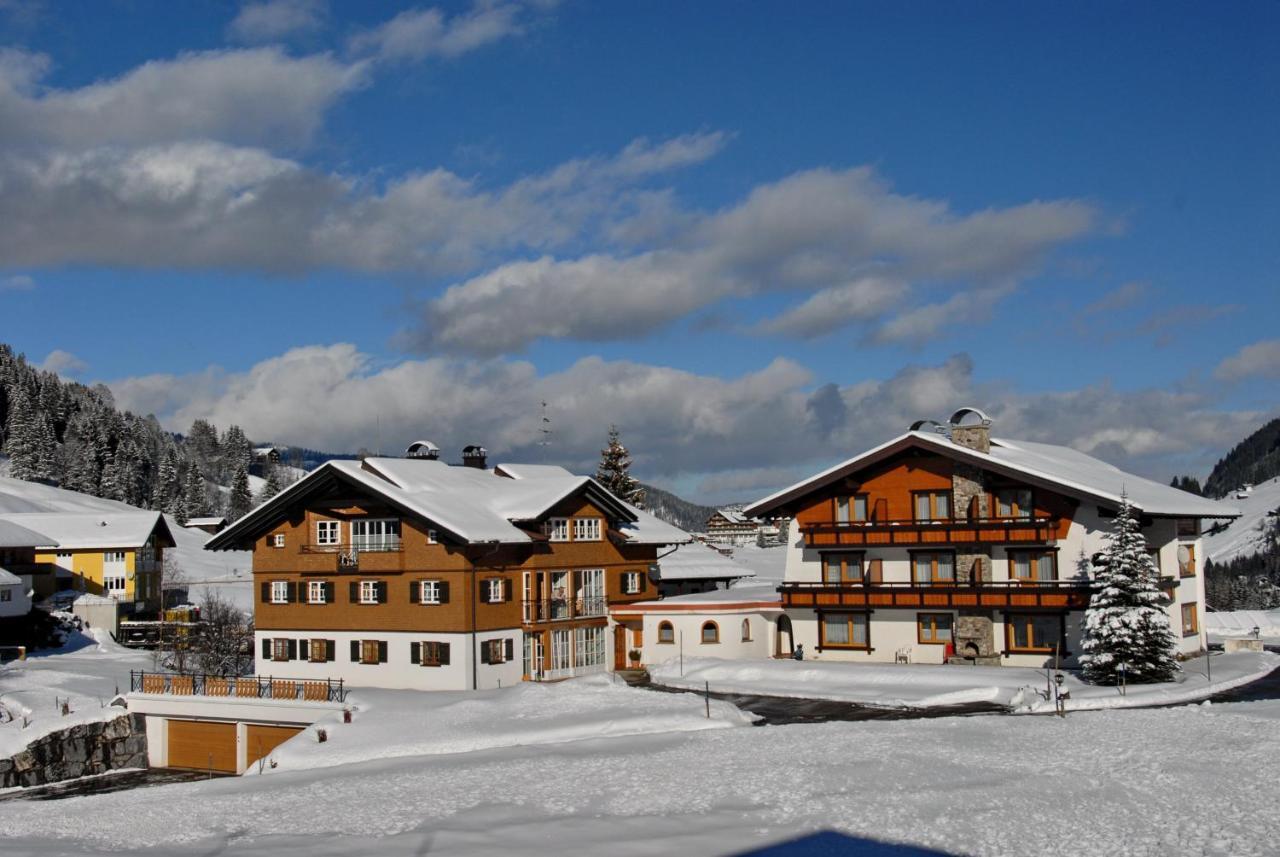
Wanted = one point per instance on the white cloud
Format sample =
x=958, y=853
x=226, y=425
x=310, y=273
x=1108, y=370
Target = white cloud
x=734, y=437
x=1259, y=360
x=417, y=34
x=815, y=231
x=277, y=19
x=250, y=96
x=63, y=363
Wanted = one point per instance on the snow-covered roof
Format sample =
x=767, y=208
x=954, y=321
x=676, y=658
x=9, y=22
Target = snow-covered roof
x=8, y=578
x=93, y=530
x=698, y=562
x=758, y=597
x=205, y=522
x=1059, y=467
x=13, y=535
x=734, y=516
x=470, y=503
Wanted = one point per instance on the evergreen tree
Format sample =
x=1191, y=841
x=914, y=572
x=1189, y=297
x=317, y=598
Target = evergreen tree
x=237, y=452
x=273, y=486
x=1126, y=622
x=203, y=449
x=240, y=501
x=194, y=502
x=614, y=471
x=168, y=487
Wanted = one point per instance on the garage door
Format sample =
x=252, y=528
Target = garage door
x=264, y=739
x=202, y=745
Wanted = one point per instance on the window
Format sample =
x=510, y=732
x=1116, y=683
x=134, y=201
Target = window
x=6, y=594
x=1190, y=623
x=279, y=592
x=560, y=641
x=113, y=584
x=1033, y=565
x=666, y=633
x=586, y=529
x=280, y=650
x=746, y=630
x=1154, y=555
x=494, y=590
x=276, y=540
x=932, y=505
x=844, y=631
x=369, y=651
x=319, y=651
x=369, y=592
x=631, y=582
x=588, y=647
x=113, y=558
x=590, y=594
x=328, y=533
x=1187, y=560
x=710, y=632
x=317, y=592
x=432, y=538
x=933, y=627
x=375, y=534
x=557, y=529
x=493, y=651
x=429, y=653
x=1033, y=632
x=933, y=567
x=851, y=508
x=1188, y=528
x=843, y=568
x=429, y=592
x=1013, y=503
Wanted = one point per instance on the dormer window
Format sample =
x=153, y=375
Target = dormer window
x=375, y=534
x=557, y=529
x=586, y=529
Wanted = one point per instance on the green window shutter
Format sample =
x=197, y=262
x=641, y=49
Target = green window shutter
x=415, y=653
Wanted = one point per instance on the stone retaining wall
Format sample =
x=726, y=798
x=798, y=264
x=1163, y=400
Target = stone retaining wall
x=78, y=751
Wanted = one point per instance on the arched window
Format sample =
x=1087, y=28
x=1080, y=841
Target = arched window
x=666, y=633
x=710, y=632
x=746, y=630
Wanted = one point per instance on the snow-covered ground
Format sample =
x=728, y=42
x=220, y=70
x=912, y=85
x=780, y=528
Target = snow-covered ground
x=1189, y=780
x=925, y=686
x=1243, y=536
x=86, y=672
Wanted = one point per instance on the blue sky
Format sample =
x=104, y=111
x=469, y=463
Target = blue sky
x=758, y=239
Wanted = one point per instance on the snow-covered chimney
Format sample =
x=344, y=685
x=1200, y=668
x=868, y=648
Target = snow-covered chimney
x=474, y=456
x=971, y=428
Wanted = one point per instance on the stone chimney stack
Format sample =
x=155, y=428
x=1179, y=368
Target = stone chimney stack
x=474, y=456
x=975, y=434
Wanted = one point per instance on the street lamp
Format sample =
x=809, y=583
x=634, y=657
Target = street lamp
x=1060, y=695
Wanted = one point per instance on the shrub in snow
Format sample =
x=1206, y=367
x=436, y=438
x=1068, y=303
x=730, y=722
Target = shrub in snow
x=1126, y=625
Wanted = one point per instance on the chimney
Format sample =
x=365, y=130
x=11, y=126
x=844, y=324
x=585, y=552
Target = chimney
x=474, y=456
x=422, y=449
x=971, y=428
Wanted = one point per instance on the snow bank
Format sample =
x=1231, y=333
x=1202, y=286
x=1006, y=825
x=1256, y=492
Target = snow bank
x=1240, y=623
x=393, y=723
x=925, y=686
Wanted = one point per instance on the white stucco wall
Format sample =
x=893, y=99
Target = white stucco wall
x=687, y=628
x=399, y=672
x=18, y=603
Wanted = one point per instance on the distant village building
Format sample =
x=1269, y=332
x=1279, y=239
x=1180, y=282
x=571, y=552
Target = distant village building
x=264, y=458
x=414, y=573
x=18, y=567
x=211, y=525
x=729, y=526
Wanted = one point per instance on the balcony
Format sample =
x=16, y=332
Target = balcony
x=561, y=609
x=987, y=531
x=987, y=594
x=241, y=687
x=350, y=557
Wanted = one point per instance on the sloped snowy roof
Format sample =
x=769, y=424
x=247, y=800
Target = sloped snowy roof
x=13, y=535
x=738, y=598
x=472, y=504
x=1060, y=467
x=8, y=578
x=734, y=516
x=699, y=562
x=91, y=530
x=205, y=522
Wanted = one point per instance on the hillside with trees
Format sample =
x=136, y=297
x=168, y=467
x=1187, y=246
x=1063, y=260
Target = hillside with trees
x=72, y=436
x=1253, y=460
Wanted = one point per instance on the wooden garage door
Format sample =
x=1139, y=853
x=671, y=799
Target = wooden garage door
x=202, y=745
x=264, y=739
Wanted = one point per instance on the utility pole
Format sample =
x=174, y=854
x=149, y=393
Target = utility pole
x=545, y=432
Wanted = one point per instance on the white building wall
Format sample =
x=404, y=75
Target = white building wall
x=687, y=630
x=18, y=603
x=399, y=672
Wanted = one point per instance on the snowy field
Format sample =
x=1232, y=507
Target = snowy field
x=1191, y=780
x=767, y=563
x=1244, y=535
x=925, y=686
x=1240, y=623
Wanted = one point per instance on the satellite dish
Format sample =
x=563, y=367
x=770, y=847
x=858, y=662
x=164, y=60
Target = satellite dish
x=1184, y=556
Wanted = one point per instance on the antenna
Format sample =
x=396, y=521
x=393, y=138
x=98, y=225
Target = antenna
x=545, y=431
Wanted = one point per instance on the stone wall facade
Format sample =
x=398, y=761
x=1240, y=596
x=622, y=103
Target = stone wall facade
x=78, y=751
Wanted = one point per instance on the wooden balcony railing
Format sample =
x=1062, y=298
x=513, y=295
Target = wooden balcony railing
x=999, y=594
x=935, y=532
x=559, y=609
x=240, y=687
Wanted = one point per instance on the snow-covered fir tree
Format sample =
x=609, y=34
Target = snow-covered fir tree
x=1126, y=622
x=240, y=501
x=274, y=484
x=614, y=471
x=195, y=503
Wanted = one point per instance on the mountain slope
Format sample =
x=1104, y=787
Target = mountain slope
x=676, y=511
x=1253, y=460
x=1246, y=535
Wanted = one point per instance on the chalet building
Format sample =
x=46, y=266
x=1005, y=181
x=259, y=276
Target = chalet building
x=211, y=525
x=744, y=622
x=114, y=554
x=17, y=568
x=953, y=544
x=698, y=568
x=414, y=573
x=729, y=526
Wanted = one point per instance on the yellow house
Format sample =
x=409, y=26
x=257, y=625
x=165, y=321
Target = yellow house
x=116, y=554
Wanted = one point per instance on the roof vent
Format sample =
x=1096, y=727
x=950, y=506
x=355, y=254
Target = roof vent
x=474, y=456
x=422, y=449
x=919, y=425
x=971, y=428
